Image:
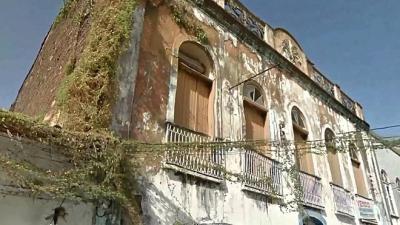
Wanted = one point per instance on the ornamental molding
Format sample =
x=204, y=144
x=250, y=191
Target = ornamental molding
x=291, y=52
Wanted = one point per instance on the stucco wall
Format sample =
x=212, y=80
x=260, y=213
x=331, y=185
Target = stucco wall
x=170, y=197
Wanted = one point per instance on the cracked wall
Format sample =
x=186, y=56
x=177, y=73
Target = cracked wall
x=171, y=196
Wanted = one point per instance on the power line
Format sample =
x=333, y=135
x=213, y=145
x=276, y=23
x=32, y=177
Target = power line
x=384, y=128
x=257, y=74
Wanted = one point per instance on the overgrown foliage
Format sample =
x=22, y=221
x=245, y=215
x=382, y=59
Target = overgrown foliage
x=102, y=166
x=66, y=8
x=89, y=89
x=181, y=16
x=106, y=167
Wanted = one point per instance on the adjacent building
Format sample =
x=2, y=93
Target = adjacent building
x=387, y=172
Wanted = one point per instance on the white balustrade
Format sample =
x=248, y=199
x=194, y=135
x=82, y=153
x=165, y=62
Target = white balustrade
x=261, y=173
x=343, y=201
x=312, y=190
x=198, y=153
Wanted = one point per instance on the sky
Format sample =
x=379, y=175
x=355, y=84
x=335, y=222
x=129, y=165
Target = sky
x=355, y=43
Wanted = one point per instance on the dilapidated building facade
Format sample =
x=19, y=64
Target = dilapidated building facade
x=212, y=72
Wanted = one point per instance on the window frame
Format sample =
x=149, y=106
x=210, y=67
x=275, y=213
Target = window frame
x=258, y=88
x=300, y=118
x=330, y=144
x=257, y=106
x=199, y=67
x=307, y=157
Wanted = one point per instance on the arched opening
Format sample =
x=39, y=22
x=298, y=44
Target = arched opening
x=333, y=157
x=312, y=221
x=388, y=191
x=303, y=154
x=357, y=170
x=254, y=93
x=384, y=176
x=255, y=112
x=193, y=102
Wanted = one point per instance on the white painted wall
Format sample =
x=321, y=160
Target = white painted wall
x=17, y=210
x=389, y=161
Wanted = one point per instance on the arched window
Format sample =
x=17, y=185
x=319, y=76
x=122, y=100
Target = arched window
x=353, y=152
x=311, y=221
x=298, y=118
x=384, y=176
x=357, y=171
x=255, y=112
x=388, y=192
x=193, y=101
x=303, y=154
x=253, y=93
x=333, y=157
x=398, y=183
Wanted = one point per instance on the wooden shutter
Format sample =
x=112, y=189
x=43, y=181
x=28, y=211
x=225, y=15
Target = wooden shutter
x=359, y=177
x=304, y=157
x=255, y=118
x=334, y=166
x=203, y=93
x=192, y=102
x=255, y=123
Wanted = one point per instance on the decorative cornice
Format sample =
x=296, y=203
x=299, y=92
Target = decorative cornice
x=212, y=9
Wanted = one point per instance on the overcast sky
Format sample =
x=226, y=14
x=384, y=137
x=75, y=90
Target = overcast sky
x=355, y=43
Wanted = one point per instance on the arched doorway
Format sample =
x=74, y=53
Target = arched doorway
x=311, y=221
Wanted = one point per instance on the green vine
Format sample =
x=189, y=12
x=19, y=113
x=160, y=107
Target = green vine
x=103, y=167
x=88, y=92
x=180, y=15
x=107, y=167
x=64, y=11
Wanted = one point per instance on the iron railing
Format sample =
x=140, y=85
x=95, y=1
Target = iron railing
x=343, y=200
x=199, y=153
x=261, y=173
x=312, y=190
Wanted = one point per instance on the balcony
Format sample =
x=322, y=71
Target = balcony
x=343, y=201
x=200, y=157
x=261, y=174
x=312, y=190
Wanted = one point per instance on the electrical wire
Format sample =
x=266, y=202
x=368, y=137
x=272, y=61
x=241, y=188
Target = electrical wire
x=387, y=127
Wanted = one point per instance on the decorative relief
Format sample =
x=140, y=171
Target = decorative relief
x=291, y=52
x=324, y=83
x=245, y=18
x=348, y=102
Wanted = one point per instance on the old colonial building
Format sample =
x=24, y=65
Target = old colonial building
x=211, y=71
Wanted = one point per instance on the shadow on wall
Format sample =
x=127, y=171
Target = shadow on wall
x=261, y=200
x=174, y=204
x=346, y=219
x=27, y=211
